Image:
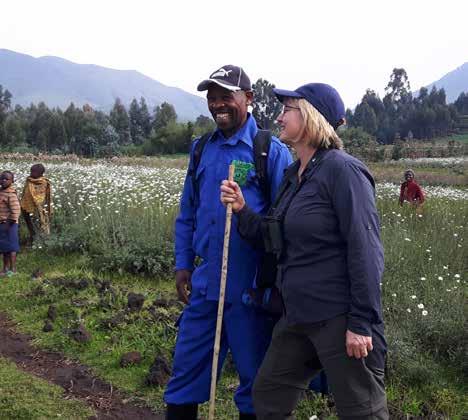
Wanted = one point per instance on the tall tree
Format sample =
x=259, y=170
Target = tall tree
x=461, y=104
x=265, y=107
x=121, y=122
x=144, y=118
x=398, y=88
x=164, y=114
x=136, y=130
x=364, y=117
x=5, y=103
x=203, y=124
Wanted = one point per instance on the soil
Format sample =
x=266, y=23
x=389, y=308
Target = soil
x=76, y=379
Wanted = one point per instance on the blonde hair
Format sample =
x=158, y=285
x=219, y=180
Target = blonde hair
x=317, y=130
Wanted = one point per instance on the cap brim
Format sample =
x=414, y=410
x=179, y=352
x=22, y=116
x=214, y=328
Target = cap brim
x=282, y=93
x=206, y=84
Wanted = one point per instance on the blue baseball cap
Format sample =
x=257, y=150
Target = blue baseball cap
x=323, y=97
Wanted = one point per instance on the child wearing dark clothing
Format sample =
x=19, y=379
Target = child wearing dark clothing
x=10, y=210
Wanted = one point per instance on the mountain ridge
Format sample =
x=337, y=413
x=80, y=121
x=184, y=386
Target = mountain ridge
x=58, y=82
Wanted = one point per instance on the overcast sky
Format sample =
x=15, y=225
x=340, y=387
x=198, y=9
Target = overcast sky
x=353, y=45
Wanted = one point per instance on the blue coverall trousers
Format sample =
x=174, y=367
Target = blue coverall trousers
x=246, y=333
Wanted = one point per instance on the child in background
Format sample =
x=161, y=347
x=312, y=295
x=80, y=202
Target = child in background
x=410, y=191
x=9, y=214
x=36, y=202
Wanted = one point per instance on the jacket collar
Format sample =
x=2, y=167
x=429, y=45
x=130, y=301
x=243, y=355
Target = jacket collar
x=246, y=133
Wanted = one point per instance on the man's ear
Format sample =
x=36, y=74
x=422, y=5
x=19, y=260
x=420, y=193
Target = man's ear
x=250, y=97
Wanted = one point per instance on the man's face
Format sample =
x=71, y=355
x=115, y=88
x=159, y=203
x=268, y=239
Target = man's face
x=229, y=109
x=409, y=177
x=5, y=180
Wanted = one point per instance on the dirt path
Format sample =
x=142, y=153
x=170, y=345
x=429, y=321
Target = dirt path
x=77, y=380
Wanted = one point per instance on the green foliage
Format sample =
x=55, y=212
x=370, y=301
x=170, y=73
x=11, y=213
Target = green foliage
x=87, y=132
x=164, y=115
x=172, y=138
x=140, y=121
x=136, y=241
x=356, y=137
x=203, y=125
x=120, y=121
x=266, y=107
x=399, y=115
x=426, y=363
x=461, y=104
x=25, y=397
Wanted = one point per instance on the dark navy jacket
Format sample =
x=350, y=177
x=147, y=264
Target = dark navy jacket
x=332, y=261
x=200, y=231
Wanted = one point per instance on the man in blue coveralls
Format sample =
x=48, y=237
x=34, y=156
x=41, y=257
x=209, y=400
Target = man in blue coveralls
x=199, y=232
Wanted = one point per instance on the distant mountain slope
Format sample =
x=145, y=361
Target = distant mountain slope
x=454, y=83
x=58, y=82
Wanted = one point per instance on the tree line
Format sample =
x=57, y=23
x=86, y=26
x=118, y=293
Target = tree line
x=139, y=131
x=400, y=115
x=93, y=133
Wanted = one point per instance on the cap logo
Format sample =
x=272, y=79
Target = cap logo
x=221, y=73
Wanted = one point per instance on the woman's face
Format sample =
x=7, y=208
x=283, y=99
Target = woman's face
x=290, y=122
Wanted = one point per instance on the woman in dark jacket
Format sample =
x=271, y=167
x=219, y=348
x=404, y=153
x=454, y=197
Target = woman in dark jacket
x=324, y=228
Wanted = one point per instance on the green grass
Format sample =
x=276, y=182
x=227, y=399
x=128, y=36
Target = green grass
x=427, y=366
x=420, y=380
x=23, y=396
x=104, y=352
x=459, y=137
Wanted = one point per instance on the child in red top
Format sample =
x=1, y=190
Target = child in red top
x=410, y=191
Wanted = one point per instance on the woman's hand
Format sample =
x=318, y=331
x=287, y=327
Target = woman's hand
x=358, y=345
x=232, y=194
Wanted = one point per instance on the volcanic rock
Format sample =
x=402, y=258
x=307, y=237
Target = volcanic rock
x=80, y=334
x=52, y=313
x=48, y=327
x=131, y=358
x=159, y=372
x=135, y=301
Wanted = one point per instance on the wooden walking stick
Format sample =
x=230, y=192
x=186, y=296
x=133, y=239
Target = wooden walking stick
x=222, y=290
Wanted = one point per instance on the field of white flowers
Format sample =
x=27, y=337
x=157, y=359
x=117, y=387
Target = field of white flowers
x=121, y=217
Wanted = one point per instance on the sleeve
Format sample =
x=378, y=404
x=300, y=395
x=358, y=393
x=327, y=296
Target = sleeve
x=15, y=207
x=249, y=226
x=354, y=203
x=185, y=225
x=278, y=162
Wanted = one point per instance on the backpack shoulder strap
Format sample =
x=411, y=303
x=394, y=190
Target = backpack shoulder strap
x=262, y=142
x=193, y=165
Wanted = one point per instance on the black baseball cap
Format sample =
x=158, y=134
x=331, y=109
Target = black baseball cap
x=229, y=77
x=323, y=97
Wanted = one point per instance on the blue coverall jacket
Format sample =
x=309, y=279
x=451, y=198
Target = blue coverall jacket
x=199, y=232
